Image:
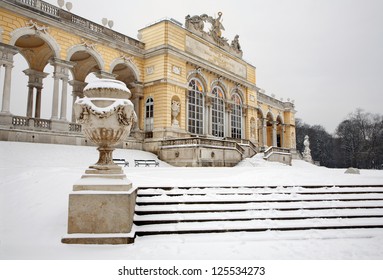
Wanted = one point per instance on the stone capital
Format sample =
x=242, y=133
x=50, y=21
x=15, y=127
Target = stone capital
x=6, y=54
x=137, y=91
x=78, y=87
x=105, y=75
x=61, y=68
x=35, y=78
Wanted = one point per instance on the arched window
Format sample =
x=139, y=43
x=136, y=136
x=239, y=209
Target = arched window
x=218, y=112
x=236, y=117
x=149, y=117
x=195, y=107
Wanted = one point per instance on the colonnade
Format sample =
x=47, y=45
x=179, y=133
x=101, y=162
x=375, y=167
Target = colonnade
x=61, y=79
x=263, y=133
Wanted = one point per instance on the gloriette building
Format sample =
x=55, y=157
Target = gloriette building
x=196, y=98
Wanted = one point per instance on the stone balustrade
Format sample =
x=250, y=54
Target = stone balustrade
x=65, y=16
x=203, y=141
x=74, y=127
x=41, y=124
x=20, y=121
x=271, y=150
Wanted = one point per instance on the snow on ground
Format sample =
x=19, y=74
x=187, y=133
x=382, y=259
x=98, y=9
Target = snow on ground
x=37, y=178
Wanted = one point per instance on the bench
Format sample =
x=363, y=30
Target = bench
x=146, y=162
x=121, y=161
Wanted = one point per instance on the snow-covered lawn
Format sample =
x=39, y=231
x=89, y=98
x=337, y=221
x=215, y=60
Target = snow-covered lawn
x=37, y=178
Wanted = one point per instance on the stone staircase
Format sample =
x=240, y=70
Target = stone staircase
x=190, y=210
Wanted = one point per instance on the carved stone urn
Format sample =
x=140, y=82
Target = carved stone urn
x=102, y=203
x=106, y=116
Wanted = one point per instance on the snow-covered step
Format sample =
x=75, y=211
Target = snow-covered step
x=257, y=190
x=258, y=225
x=262, y=214
x=257, y=206
x=166, y=210
x=209, y=198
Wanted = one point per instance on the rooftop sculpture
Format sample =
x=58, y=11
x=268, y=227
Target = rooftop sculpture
x=196, y=24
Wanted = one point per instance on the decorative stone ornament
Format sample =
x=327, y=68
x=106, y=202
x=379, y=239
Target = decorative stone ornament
x=175, y=111
x=101, y=207
x=196, y=24
x=307, y=152
x=107, y=120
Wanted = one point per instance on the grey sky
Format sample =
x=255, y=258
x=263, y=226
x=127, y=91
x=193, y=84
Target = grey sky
x=327, y=55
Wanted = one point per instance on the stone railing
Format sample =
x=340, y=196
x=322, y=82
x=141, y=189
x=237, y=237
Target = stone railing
x=75, y=127
x=198, y=141
x=64, y=17
x=270, y=100
x=20, y=121
x=271, y=150
x=244, y=142
x=42, y=124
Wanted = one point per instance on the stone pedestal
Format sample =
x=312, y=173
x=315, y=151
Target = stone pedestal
x=59, y=125
x=5, y=119
x=101, y=208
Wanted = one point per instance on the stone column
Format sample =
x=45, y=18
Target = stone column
x=264, y=132
x=7, y=89
x=137, y=94
x=136, y=104
x=61, y=72
x=64, y=99
x=283, y=136
x=77, y=91
x=35, y=80
x=38, y=103
x=55, y=99
x=274, y=134
x=6, y=59
x=30, y=101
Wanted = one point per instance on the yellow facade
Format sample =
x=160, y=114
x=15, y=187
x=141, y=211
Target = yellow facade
x=159, y=66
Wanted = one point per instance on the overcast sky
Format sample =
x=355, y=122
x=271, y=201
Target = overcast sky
x=327, y=55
